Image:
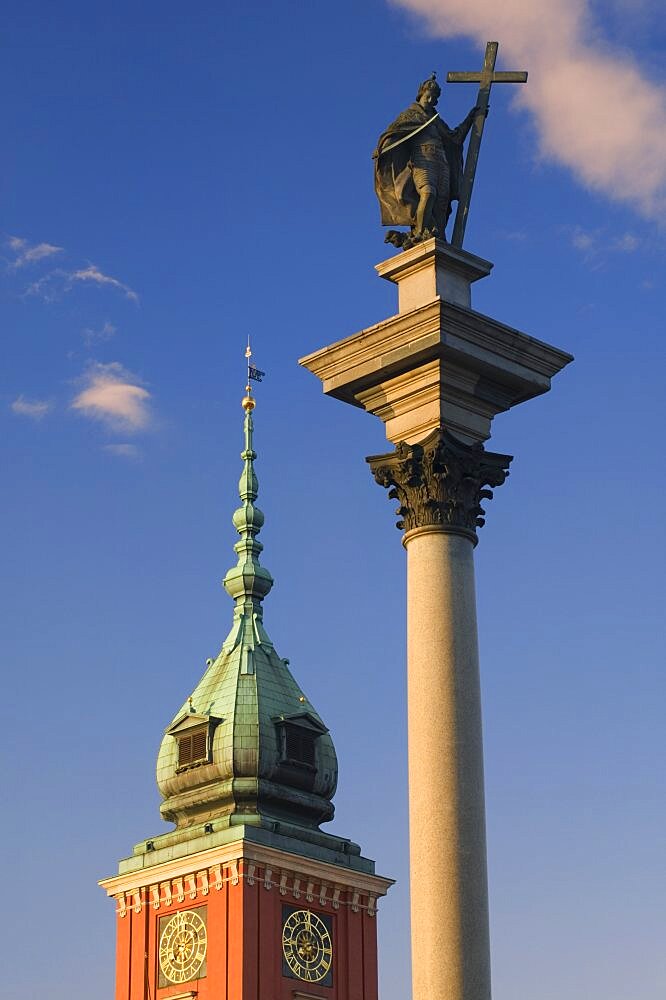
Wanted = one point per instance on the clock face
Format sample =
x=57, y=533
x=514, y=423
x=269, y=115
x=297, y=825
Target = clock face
x=307, y=946
x=183, y=946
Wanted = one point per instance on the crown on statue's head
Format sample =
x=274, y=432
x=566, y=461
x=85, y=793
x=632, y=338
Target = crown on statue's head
x=429, y=84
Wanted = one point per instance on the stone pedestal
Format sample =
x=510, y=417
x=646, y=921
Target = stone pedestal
x=436, y=374
x=437, y=363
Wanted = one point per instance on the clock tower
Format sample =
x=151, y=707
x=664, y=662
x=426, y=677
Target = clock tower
x=246, y=898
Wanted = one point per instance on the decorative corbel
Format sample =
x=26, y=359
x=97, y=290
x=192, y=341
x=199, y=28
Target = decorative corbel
x=122, y=904
x=204, y=882
x=296, y=890
x=336, y=898
x=250, y=874
x=155, y=896
x=354, y=903
x=268, y=875
x=309, y=892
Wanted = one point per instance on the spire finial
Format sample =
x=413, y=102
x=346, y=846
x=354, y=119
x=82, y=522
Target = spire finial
x=249, y=402
x=253, y=372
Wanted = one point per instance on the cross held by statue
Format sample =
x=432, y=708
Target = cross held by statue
x=486, y=78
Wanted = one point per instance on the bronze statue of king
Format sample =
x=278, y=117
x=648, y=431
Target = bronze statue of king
x=419, y=168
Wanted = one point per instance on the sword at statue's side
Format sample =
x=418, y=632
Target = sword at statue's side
x=485, y=79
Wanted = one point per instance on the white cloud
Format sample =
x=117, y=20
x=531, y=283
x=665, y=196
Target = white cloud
x=96, y=336
x=515, y=235
x=57, y=281
x=27, y=254
x=113, y=396
x=91, y=273
x=583, y=240
x=36, y=409
x=596, y=112
x=627, y=243
x=50, y=286
x=596, y=245
x=129, y=451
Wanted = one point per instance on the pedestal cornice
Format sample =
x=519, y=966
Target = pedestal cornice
x=439, y=364
x=440, y=483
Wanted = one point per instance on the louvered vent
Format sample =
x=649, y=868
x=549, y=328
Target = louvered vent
x=299, y=746
x=193, y=747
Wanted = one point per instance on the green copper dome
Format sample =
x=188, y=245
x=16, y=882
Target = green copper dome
x=247, y=748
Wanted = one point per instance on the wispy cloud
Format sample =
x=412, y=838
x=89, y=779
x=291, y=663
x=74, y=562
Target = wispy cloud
x=515, y=235
x=127, y=451
x=52, y=282
x=596, y=245
x=36, y=409
x=583, y=241
x=596, y=111
x=50, y=286
x=115, y=397
x=627, y=243
x=27, y=254
x=92, y=274
x=98, y=335
x=56, y=282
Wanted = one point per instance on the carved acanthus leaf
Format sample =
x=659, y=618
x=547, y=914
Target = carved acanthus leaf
x=440, y=482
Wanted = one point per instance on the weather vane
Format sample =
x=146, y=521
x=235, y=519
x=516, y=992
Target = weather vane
x=253, y=374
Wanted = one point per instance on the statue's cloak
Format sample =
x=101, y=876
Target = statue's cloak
x=396, y=193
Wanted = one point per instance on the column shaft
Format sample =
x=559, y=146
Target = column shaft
x=449, y=891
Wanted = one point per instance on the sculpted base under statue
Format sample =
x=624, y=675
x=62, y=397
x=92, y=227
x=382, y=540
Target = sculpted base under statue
x=419, y=168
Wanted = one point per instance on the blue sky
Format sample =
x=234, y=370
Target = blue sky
x=176, y=180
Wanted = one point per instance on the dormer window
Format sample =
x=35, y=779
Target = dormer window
x=299, y=745
x=193, y=747
x=193, y=733
x=297, y=740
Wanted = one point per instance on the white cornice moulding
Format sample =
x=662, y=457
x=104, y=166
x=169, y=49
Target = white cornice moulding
x=243, y=850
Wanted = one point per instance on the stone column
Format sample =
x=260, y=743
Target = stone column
x=439, y=485
x=436, y=374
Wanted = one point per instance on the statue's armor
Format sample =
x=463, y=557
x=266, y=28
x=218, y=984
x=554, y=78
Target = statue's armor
x=430, y=168
x=416, y=156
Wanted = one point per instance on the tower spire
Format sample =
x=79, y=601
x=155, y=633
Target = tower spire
x=248, y=582
x=264, y=757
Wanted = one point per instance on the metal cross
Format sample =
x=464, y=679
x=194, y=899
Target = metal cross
x=486, y=78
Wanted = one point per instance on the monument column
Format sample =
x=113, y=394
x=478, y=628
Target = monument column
x=439, y=485
x=436, y=374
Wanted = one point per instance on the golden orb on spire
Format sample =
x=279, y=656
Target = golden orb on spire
x=248, y=403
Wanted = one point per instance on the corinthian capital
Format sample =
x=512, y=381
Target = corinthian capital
x=440, y=482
